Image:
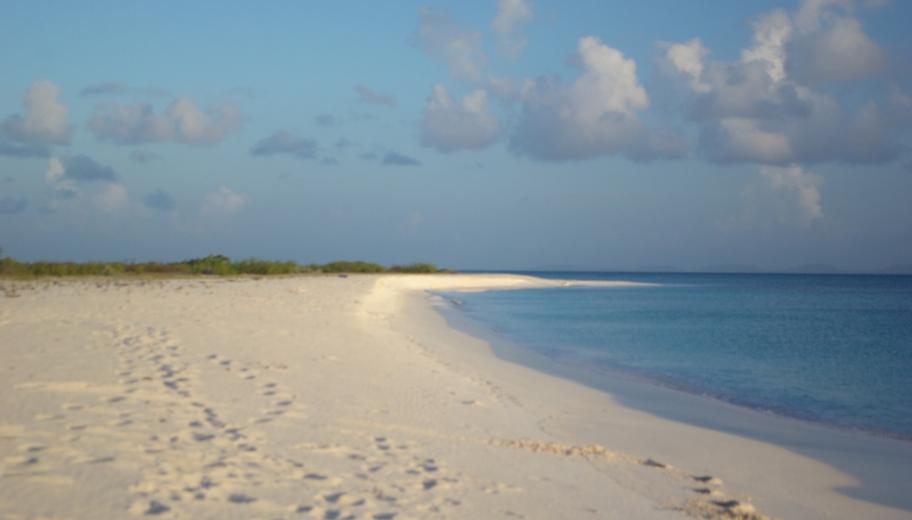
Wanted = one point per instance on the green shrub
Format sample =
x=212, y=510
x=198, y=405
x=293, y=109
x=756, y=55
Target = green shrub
x=214, y=265
x=420, y=267
x=265, y=267
x=346, y=266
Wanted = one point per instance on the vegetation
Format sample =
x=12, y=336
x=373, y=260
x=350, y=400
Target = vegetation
x=212, y=265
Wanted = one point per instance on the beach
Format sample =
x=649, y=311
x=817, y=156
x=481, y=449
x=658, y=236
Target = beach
x=352, y=397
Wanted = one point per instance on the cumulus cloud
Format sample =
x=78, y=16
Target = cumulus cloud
x=284, y=142
x=449, y=126
x=11, y=205
x=55, y=178
x=440, y=36
x=181, y=122
x=69, y=176
x=397, y=159
x=159, y=200
x=766, y=107
x=372, y=97
x=503, y=88
x=43, y=123
x=802, y=187
x=771, y=32
x=593, y=116
x=511, y=14
x=223, y=202
x=687, y=59
x=63, y=174
x=830, y=45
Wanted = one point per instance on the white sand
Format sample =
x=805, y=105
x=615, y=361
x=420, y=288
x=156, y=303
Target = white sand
x=336, y=397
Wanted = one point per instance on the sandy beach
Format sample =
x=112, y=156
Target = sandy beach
x=331, y=397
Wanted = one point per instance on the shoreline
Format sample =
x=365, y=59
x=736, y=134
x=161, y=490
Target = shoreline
x=320, y=397
x=873, y=457
x=510, y=350
x=881, y=462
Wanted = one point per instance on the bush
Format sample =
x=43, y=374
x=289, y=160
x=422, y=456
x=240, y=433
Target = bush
x=420, y=267
x=265, y=267
x=345, y=266
x=214, y=265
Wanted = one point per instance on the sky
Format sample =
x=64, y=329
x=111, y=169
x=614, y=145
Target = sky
x=495, y=134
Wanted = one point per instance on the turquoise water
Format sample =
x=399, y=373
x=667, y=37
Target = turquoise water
x=835, y=349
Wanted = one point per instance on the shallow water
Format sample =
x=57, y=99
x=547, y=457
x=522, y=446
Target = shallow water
x=834, y=349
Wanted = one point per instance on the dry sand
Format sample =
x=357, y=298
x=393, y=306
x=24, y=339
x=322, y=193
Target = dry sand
x=326, y=397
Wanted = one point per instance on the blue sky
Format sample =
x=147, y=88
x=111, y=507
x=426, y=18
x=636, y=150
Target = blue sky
x=506, y=134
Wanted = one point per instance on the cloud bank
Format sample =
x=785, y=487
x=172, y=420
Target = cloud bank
x=770, y=107
x=181, y=122
x=595, y=115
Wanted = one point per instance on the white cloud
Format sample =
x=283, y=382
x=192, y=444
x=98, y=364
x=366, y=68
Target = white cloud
x=63, y=174
x=839, y=52
x=741, y=139
x=595, y=115
x=44, y=121
x=439, y=36
x=70, y=177
x=223, y=202
x=448, y=126
x=503, y=88
x=687, y=59
x=766, y=108
x=771, y=32
x=802, y=187
x=511, y=14
x=181, y=121
x=195, y=127
x=56, y=178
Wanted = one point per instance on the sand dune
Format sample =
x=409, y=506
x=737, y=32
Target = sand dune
x=323, y=397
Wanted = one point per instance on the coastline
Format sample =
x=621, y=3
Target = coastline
x=878, y=461
x=323, y=397
x=873, y=468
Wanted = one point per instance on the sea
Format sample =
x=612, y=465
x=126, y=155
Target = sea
x=830, y=349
